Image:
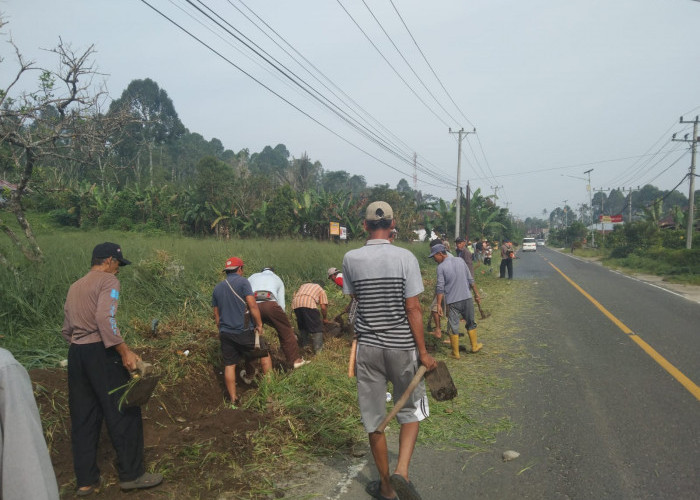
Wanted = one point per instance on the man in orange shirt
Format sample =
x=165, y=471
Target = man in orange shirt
x=305, y=303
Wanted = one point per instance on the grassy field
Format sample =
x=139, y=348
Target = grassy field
x=307, y=412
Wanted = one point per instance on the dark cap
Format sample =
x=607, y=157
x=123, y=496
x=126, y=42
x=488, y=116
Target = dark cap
x=439, y=248
x=106, y=250
x=460, y=240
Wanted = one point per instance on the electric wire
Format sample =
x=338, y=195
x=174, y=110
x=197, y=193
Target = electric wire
x=435, y=173
x=567, y=167
x=650, y=169
x=392, y=66
x=353, y=108
x=667, y=168
x=336, y=111
x=276, y=93
x=667, y=193
x=408, y=63
x=429, y=65
x=310, y=90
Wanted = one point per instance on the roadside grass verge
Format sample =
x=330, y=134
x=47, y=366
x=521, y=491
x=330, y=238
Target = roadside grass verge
x=307, y=413
x=481, y=410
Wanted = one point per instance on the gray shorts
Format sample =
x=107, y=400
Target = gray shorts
x=464, y=309
x=376, y=367
x=434, y=304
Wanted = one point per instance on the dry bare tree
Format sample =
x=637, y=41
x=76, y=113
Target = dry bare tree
x=61, y=121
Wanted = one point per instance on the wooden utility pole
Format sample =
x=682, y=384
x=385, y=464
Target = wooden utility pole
x=459, y=133
x=691, y=195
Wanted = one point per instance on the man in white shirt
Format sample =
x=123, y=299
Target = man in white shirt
x=25, y=465
x=268, y=290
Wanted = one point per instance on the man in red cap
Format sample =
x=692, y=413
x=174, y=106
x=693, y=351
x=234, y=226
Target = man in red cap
x=238, y=319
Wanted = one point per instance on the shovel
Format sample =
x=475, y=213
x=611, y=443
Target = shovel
x=440, y=383
x=144, y=382
x=484, y=315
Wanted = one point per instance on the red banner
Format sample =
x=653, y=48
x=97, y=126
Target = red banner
x=610, y=218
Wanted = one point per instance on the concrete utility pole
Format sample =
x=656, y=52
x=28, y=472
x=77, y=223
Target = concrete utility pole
x=459, y=133
x=590, y=205
x=691, y=194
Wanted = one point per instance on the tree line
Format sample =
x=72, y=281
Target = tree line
x=69, y=152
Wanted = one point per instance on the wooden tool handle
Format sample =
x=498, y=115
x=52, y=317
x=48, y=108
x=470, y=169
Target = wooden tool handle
x=353, y=356
x=402, y=400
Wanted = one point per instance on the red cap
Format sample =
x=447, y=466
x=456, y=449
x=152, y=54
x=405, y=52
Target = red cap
x=233, y=263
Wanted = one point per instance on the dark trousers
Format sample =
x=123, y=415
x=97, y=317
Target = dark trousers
x=93, y=371
x=507, y=263
x=309, y=322
x=273, y=315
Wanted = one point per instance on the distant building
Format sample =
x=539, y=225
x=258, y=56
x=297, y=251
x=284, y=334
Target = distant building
x=421, y=233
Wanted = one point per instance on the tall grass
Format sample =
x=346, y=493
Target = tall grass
x=171, y=278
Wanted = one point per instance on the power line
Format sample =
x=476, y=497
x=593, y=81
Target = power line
x=426, y=170
x=276, y=93
x=392, y=66
x=429, y=65
x=566, y=167
x=306, y=87
x=345, y=97
x=408, y=63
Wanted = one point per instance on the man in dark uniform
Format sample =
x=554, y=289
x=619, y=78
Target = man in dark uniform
x=98, y=361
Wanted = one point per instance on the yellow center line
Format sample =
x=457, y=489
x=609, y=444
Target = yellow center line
x=675, y=372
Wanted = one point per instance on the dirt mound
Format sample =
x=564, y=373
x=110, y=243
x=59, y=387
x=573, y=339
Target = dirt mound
x=190, y=436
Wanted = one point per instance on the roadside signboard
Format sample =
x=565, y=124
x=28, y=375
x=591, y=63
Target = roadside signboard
x=610, y=218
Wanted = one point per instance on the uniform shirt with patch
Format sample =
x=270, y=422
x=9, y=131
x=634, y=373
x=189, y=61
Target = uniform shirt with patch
x=91, y=309
x=382, y=276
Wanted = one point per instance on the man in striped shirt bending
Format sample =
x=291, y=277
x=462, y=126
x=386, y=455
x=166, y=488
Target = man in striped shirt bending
x=386, y=282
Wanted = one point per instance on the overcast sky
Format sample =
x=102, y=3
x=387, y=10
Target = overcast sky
x=553, y=88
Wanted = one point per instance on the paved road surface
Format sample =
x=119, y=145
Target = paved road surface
x=599, y=417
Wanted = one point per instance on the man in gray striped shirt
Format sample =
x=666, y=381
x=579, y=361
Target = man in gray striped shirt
x=386, y=282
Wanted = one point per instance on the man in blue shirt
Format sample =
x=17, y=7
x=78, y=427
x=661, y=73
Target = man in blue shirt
x=235, y=311
x=453, y=282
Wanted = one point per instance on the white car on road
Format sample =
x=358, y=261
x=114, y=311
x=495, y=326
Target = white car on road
x=529, y=245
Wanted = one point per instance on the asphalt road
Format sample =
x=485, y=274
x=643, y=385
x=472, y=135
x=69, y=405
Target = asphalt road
x=597, y=416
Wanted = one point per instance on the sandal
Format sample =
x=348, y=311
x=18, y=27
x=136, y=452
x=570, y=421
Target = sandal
x=93, y=488
x=404, y=487
x=373, y=489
